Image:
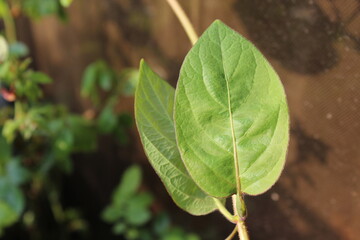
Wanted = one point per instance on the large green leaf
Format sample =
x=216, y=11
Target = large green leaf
x=154, y=100
x=230, y=113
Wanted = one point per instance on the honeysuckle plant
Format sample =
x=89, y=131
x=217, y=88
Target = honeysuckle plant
x=222, y=132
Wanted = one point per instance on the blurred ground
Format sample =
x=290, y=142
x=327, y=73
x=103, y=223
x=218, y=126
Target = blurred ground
x=315, y=47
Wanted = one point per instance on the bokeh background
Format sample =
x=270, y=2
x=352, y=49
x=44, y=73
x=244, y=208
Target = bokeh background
x=314, y=45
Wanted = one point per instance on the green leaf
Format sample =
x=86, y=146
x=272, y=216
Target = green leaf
x=107, y=120
x=137, y=216
x=154, y=100
x=64, y=142
x=174, y=234
x=106, y=79
x=112, y=214
x=88, y=85
x=130, y=183
x=230, y=114
x=84, y=134
x=5, y=150
x=124, y=122
x=119, y=228
x=16, y=173
x=12, y=195
x=137, y=213
x=4, y=68
x=130, y=78
x=39, y=8
x=132, y=234
x=9, y=130
x=40, y=77
x=7, y=216
x=66, y=3
x=192, y=236
x=18, y=49
x=141, y=200
x=161, y=224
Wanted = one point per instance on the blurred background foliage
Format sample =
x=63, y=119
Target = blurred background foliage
x=38, y=140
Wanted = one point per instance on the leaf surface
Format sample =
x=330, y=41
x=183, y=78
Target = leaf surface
x=154, y=100
x=230, y=114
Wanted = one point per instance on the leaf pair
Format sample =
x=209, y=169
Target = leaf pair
x=224, y=130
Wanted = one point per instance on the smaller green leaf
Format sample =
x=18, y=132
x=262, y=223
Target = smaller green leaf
x=39, y=77
x=119, y=228
x=84, y=134
x=16, y=173
x=130, y=78
x=3, y=8
x=192, y=236
x=106, y=80
x=7, y=216
x=4, y=68
x=161, y=224
x=154, y=101
x=5, y=150
x=18, y=50
x=107, y=120
x=89, y=81
x=141, y=200
x=146, y=235
x=125, y=120
x=132, y=234
x=112, y=214
x=121, y=134
x=64, y=142
x=137, y=216
x=130, y=183
x=174, y=234
x=66, y=3
x=12, y=195
x=39, y=8
x=9, y=130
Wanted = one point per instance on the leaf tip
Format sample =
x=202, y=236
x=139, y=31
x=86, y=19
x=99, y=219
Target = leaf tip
x=142, y=62
x=218, y=22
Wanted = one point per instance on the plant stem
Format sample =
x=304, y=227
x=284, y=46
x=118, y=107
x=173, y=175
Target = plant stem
x=56, y=207
x=184, y=20
x=238, y=218
x=9, y=23
x=243, y=234
x=232, y=235
x=222, y=209
x=19, y=110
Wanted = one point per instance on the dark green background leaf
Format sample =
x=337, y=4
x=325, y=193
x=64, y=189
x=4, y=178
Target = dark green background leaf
x=130, y=182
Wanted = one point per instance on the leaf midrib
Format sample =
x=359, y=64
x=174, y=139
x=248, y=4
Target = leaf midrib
x=236, y=162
